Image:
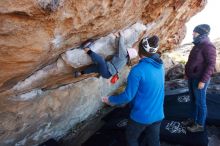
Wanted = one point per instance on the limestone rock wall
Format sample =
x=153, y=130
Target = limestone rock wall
x=35, y=32
x=39, y=39
x=32, y=118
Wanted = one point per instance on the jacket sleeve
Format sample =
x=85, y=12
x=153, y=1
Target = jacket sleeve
x=209, y=54
x=129, y=92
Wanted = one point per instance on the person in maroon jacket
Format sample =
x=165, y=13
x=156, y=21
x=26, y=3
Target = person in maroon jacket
x=198, y=70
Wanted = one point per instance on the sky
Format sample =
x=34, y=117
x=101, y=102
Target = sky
x=209, y=15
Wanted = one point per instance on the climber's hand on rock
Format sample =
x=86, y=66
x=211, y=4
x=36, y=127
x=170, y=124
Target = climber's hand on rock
x=116, y=34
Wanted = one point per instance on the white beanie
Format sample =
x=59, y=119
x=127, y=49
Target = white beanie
x=132, y=53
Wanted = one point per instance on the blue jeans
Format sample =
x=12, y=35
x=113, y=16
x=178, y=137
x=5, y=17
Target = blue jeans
x=151, y=134
x=100, y=65
x=198, y=97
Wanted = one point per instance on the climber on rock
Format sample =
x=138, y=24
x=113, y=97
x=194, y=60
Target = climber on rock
x=110, y=68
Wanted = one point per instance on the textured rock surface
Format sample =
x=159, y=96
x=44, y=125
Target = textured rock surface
x=61, y=72
x=38, y=115
x=36, y=36
x=181, y=85
x=176, y=72
x=35, y=32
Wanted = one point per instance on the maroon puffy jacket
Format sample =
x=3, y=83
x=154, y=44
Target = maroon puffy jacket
x=201, y=62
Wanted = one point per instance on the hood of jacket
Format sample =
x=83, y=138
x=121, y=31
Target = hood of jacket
x=154, y=60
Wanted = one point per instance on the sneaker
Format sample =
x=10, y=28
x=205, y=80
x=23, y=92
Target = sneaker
x=187, y=122
x=195, y=128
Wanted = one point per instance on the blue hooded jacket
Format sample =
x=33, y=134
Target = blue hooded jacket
x=145, y=90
